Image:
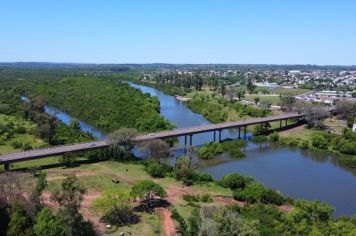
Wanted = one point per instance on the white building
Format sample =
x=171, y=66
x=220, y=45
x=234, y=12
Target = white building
x=354, y=128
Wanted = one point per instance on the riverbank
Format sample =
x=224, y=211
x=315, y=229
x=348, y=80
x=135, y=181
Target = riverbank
x=97, y=178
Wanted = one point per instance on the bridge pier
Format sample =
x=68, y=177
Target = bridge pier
x=219, y=135
x=280, y=124
x=261, y=130
x=6, y=166
x=286, y=122
x=245, y=130
x=191, y=140
x=185, y=140
x=239, y=132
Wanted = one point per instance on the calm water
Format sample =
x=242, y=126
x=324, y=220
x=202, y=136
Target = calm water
x=296, y=173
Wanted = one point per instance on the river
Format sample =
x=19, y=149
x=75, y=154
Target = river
x=294, y=172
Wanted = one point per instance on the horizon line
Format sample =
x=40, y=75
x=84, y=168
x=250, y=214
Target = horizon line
x=170, y=63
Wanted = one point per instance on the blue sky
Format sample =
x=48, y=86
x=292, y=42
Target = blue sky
x=179, y=31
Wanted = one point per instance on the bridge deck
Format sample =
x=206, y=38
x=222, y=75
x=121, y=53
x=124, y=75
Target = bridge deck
x=59, y=150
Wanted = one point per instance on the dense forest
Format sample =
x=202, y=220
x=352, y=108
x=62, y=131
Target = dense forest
x=104, y=103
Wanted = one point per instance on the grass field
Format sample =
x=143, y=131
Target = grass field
x=292, y=92
x=274, y=100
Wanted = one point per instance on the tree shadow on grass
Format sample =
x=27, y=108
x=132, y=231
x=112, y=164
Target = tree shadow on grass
x=150, y=205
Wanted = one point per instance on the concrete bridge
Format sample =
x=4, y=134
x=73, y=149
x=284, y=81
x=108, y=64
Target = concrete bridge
x=186, y=132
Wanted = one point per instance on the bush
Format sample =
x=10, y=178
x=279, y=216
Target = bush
x=206, y=198
x=271, y=196
x=209, y=150
x=348, y=147
x=304, y=144
x=120, y=216
x=203, y=177
x=235, y=181
x=16, y=144
x=251, y=193
x=145, y=188
x=236, y=153
x=321, y=140
x=191, y=198
x=157, y=170
x=274, y=137
x=182, y=226
x=26, y=147
x=259, y=138
x=21, y=130
x=185, y=170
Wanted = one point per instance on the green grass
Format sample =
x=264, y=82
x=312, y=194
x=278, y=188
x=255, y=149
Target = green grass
x=292, y=92
x=274, y=100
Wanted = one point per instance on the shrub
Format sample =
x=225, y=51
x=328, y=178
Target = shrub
x=26, y=147
x=185, y=170
x=21, y=130
x=304, y=144
x=145, y=188
x=206, y=198
x=16, y=144
x=348, y=147
x=182, y=226
x=209, y=150
x=191, y=198
x=203, y=177
x=236, y=153
x=251, y=193
x=120, y=216
x=274, y=137
x=273, y=197
x=235, y=181
x=259, y=138
x=157, y=170
x=321, y=140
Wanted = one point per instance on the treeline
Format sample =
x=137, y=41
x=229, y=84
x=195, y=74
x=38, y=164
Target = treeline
x=104, y=103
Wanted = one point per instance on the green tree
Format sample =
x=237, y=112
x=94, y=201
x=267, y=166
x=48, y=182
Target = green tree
x=184, y=169
x=47, y=224
x=287, y=102
x=250, y=86
x=69, y=197
x=235, y=181
x=20, y=222
x=147, y=189
x=256, y=99
x=157, y=149
x=71, y=194
x=122, y=141
x=229, y=223
x=195, y=222
x=240, y=94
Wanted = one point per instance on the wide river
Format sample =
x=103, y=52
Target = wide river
x=294, y=172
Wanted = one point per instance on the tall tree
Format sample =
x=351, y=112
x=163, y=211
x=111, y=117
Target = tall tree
x=47, y=224
x=250, y=86
x=240, y=94
x=157, y=149
x=69, y=197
